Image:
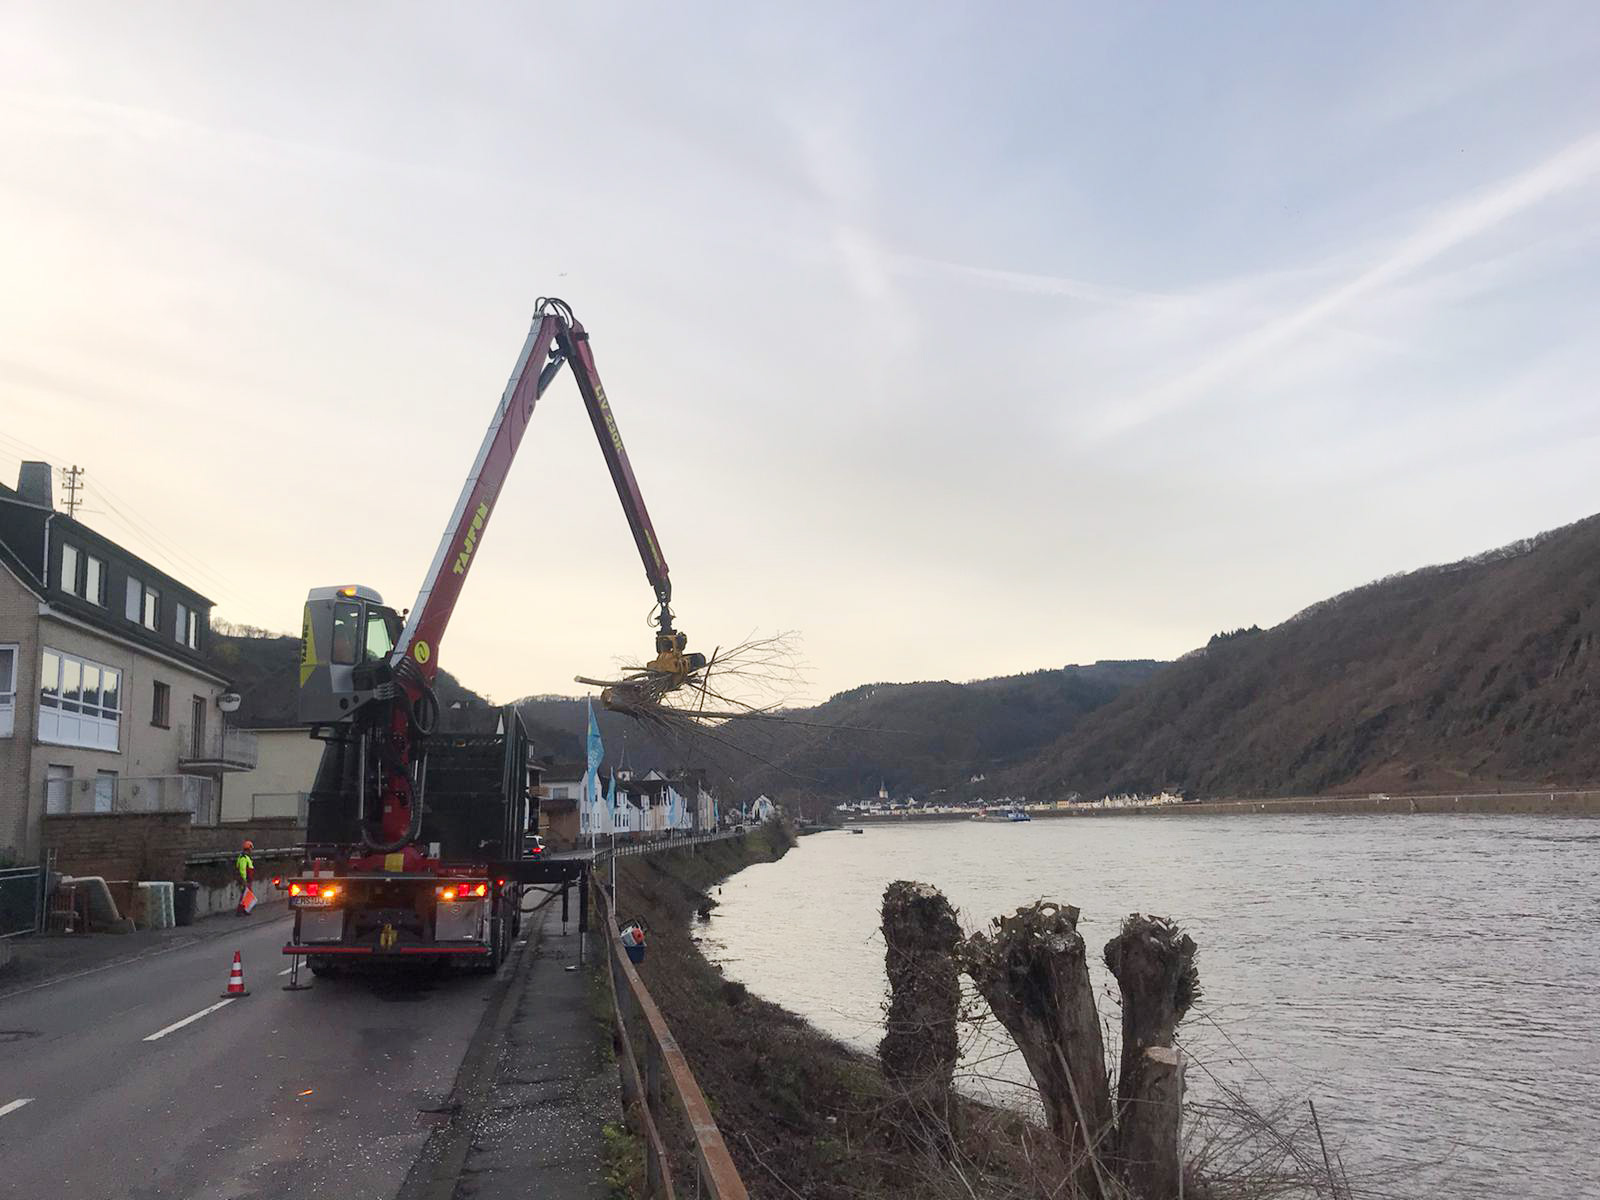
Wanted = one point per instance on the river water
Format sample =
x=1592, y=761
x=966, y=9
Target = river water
x=1433, y=983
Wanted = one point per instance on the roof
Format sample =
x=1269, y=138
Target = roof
x=30, y=537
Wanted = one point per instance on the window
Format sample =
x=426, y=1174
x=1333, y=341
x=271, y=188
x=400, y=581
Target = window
x=57, y=788
x=94, y=580
x=379, y=640
x=346, y=633
x=8, y=689
x=105, y=791
x=80, y=702
x=135, y=603
x=161, y=706
x=69, y=570
x=186, y=628
x=152, y=609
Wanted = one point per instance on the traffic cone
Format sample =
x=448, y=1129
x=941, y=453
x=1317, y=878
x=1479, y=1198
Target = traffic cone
x=236, y=978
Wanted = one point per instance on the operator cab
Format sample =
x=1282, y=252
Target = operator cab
x=346, y=639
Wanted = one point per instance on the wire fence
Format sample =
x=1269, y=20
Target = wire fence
x=21, y=901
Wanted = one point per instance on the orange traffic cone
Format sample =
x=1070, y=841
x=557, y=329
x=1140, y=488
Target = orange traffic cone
x=236, y=978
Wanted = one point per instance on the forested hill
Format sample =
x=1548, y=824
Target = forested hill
x=1479, y=674
x=912, y=737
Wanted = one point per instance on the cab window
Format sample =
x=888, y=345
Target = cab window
x=380, y=638
x=346, y=633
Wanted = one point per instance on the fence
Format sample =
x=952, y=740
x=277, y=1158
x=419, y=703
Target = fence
x=194, y=794
x=21, y=900
x=651, y=844
x=637, y=1020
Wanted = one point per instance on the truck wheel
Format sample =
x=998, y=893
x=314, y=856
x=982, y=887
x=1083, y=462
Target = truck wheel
x=322, y=968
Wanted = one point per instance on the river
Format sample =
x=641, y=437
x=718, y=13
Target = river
x=1433, y=983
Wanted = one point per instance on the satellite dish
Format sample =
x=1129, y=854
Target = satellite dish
x=229, y=702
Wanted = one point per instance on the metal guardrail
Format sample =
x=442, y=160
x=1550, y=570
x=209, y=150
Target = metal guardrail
x=633, y=1009
x=664, y=843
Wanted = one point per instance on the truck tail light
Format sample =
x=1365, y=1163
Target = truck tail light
x=481, y=890
x=295, y=889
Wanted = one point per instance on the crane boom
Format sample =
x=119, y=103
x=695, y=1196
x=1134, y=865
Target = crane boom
x=555, y=338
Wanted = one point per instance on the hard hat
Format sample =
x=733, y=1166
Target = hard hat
x=249, y=845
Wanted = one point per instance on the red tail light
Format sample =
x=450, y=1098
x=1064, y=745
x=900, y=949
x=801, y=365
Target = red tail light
x=313, y=888
x=481, y=890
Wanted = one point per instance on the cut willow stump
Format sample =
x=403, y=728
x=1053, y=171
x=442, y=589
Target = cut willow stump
x=919, y=1048
x=1033, y=971
x=1154, y=965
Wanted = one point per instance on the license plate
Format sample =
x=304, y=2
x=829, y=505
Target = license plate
x=310, y=901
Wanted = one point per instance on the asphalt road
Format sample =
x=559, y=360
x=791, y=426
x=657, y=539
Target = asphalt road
x=278, y=1094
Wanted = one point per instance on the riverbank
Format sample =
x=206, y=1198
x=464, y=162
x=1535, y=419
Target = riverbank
x=802, y=1114
x=1550, y=804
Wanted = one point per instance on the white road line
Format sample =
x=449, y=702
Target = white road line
x=285, y=971
x=176, y=1025
x=14, y=1105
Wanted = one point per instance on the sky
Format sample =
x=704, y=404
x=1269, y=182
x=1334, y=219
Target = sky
x=959, y=340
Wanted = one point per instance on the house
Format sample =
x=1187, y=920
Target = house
x=761, y=809
x=559, y=792
x=107, y=702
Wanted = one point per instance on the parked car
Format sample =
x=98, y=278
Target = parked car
x=532, y=846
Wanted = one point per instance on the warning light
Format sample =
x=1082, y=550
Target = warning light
x=481, y=890
x=295, y=889
x=347, y=591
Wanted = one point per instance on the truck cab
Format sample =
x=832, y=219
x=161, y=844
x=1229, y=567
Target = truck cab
x=347, y=635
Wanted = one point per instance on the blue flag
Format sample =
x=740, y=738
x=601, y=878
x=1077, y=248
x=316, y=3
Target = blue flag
x=611, y=800
x=597, y=750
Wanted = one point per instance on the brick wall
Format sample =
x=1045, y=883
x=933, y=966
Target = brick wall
x=119, y=845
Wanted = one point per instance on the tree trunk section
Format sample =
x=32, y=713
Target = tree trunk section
x=1154, y=965
x=1033, y=971
x=919, y=1047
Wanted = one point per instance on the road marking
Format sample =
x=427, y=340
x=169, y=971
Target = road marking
x=14, y=1105
x=177, y=1025
x=285, y=971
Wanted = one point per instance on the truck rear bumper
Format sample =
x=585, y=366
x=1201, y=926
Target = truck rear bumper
x=397, y=952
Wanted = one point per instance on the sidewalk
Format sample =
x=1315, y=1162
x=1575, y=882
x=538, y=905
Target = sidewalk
x=42, y=958
x=553, y=1091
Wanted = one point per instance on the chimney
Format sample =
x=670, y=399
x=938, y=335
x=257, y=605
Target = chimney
x=34, y=484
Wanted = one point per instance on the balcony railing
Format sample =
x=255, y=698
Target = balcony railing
x=192, y=794
x=220, y=749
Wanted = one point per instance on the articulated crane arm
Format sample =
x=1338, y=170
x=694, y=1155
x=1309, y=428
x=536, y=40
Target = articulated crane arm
x=556, y=339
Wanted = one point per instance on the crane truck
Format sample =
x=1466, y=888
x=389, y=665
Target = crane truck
x=414, y=836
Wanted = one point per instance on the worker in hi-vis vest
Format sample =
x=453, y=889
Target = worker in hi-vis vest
x=246, y=867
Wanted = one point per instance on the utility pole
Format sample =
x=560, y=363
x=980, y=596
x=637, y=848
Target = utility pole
x=72, y=484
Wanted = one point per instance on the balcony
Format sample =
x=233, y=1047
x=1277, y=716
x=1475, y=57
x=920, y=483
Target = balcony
x=110, y=794
x=214, y=751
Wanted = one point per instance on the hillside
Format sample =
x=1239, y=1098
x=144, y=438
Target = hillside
x=1479, y=674
x=265, y=670
x=912, y=737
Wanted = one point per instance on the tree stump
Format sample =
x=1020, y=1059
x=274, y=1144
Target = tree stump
x=919, y=1047
x=1034, y=973
x=1154, y=965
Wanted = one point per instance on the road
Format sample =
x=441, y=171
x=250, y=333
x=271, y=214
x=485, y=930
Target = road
x=278, y=1094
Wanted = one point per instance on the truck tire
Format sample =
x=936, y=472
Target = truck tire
x=322, y=967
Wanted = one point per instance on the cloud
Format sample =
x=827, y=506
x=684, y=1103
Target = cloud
x=1573, y=166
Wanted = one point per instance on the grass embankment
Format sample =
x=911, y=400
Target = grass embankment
x=802, y=1114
